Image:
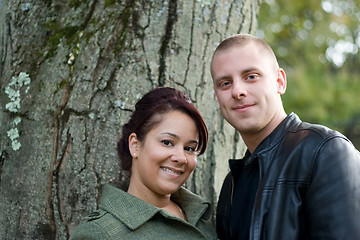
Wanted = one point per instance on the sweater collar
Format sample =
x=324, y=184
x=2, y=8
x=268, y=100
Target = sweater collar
x=134, y=212
x=194, y=206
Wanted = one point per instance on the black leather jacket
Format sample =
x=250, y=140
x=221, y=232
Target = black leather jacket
x=309, y=186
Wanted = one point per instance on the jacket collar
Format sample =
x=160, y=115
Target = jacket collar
x=263, y=151
x=275, y=136
x=134, y=212
x=266, y=145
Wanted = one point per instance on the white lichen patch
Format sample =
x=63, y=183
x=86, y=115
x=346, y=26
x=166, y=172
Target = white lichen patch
x=163, y=9
x=13, y=91
x=73, y=55
x=17, y=85
x=26, y=7
x=13, y=134
x=91, y=115
x=71, y=59
x=119, y=104
x=204, y=3
x=17, y=120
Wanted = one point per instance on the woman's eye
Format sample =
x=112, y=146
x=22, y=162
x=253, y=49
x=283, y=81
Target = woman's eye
x=190, y=149
x=167, y=142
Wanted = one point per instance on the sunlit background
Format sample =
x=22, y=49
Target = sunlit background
x=317, y=43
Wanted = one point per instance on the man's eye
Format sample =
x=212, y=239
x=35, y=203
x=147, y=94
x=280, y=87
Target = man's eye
x=167, y=142
x=253, y=77
x=224, y=84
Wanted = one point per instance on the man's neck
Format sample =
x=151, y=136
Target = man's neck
x=252, y=140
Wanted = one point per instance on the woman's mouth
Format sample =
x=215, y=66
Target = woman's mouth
x=171, y=171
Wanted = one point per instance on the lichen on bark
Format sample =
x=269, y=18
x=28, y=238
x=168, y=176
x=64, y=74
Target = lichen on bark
x=89, y=62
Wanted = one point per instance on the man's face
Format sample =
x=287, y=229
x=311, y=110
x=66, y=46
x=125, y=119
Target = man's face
x=248, y=84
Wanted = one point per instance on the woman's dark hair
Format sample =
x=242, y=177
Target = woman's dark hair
x=157, y=102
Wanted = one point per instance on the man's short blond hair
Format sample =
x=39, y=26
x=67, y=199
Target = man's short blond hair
x=243, y=39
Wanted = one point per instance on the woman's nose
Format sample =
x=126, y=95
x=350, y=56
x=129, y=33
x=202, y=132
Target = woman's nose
x=179, y=156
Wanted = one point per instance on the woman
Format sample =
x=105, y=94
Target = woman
x=159, y=146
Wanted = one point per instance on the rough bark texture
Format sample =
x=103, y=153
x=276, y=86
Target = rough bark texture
x=70, y=73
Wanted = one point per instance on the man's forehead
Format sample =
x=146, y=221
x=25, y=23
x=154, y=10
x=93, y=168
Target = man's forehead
x=247, y=48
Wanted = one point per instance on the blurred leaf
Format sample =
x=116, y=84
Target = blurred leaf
x=317, y=43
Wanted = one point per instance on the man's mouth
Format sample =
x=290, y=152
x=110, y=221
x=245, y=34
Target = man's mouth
x=243, y=107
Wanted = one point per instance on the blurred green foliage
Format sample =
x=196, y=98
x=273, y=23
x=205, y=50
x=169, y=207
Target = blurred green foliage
x=317, y=44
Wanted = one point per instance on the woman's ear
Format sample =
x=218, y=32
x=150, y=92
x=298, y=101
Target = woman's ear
x=133, y=145
x=281, y=81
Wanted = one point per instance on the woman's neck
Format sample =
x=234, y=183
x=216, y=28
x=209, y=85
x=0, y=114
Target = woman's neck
x=149, y=196
x=161, y=201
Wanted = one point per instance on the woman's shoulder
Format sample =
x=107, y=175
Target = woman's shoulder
x=99, y=225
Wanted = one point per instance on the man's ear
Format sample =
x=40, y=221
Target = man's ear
x=133, y=145
x=281, y=81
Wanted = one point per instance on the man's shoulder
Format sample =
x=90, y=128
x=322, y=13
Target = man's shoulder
x=315, y=139
x=317, y=131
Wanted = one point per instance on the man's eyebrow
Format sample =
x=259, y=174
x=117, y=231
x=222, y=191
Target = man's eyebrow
x=222, y=77
x=248, y=70
x=243, y=72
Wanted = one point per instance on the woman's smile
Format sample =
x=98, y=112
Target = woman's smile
x=167, y=156
x=172, y=171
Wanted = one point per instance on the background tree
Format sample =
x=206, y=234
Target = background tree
x=318, y=43
x=70, y=73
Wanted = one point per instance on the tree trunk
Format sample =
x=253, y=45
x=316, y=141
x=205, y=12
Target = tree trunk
x=70, y=73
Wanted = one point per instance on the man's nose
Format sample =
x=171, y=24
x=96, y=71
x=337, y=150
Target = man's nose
x=238, y=89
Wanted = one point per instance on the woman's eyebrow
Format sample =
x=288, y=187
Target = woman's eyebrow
x=171, y=134
x=177, y=137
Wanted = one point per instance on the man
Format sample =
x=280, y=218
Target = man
x=297, y=180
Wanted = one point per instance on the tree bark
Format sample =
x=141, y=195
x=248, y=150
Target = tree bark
x=70, y=73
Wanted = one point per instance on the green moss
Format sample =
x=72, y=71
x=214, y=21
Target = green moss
x=109, y=3
x=61, y=86
x=57, y=33
x=47, y=1
x=126, y=16
x=75, y=3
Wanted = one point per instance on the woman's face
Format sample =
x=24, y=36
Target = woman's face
x=165, y=159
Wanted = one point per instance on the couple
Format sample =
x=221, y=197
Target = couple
x=296, y=180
